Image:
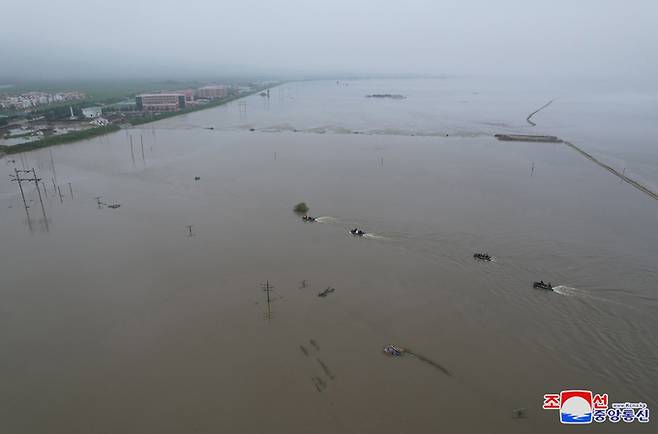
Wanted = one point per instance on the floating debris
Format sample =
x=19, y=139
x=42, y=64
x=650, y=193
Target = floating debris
x=327, y=291
x=315, y=345
x=319, y=383
x=395, y=351
x=114, y=206
x=304, y=350
x=519, y=413
x=326, y=369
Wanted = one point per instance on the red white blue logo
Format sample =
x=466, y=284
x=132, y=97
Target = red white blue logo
x=580, y=407
x=576, y=406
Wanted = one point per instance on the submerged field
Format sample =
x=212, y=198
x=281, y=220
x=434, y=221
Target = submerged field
x=128, y=320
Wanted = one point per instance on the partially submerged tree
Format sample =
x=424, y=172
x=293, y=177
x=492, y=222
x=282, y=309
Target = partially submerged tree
x=301, y=208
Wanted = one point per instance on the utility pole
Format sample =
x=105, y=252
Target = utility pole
x=141, y=138
x=52, y=163
x=132, y=153
x=43, y=210
x=18, y=179
x=36, y=184
x=268, y=289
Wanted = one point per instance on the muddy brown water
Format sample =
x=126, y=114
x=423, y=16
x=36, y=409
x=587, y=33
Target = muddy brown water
x=117, y=320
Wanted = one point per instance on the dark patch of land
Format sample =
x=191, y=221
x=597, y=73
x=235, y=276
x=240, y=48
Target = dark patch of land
x=527, y=138
x=386, y=95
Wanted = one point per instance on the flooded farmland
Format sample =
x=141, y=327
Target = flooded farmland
x=151, y=316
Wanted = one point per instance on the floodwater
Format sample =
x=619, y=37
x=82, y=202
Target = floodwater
x=127, y=320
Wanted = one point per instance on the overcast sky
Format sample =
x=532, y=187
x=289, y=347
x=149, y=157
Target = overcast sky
x=173, y=38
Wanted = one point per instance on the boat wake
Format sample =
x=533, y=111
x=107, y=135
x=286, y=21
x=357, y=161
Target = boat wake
x=326, y=219
x=565, y=290
x=375, y=236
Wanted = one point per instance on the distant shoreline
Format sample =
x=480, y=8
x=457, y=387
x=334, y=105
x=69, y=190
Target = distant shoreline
x=76, y=136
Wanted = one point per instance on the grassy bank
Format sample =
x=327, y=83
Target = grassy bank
x=69, y=137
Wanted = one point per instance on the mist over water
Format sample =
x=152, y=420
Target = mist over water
x=616, y=123
x=203, y=38
x=107, y=311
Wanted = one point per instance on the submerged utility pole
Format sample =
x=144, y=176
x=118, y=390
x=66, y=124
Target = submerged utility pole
x=17, y=178
x=43, y=210
x=268, y=289
x=141, y=138
x=52, y=163
x=132, y=152
x=36, y=184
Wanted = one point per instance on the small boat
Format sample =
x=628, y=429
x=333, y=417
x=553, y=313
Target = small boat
x=308, y=218
x=393, y=350
x=542, y=285
x=357, y=232
x=482, y=256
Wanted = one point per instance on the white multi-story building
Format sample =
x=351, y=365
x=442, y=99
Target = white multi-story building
x=212, y=92
x=160, y=102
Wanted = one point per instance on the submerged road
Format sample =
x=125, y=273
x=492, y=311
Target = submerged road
x=537, y=111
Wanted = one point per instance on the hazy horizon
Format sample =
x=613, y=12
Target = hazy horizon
x=164, y=39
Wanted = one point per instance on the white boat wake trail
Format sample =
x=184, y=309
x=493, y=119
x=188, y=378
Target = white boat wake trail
x=565, y=290
x=375, y=237
x=326, y=219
